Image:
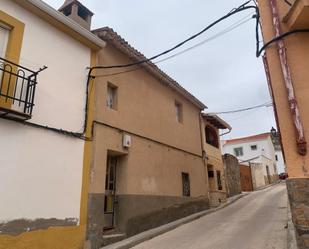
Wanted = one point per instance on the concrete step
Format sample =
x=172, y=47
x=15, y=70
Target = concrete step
x=113, y=238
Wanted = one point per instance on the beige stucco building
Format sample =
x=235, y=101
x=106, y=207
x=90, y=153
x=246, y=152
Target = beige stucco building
x=215, y=167
x=151, y=156
x=146, y=153
x=287, y=73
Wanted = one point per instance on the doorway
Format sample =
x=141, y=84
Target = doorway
x=110, y=192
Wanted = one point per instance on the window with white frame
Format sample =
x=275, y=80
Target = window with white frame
x=112, y=98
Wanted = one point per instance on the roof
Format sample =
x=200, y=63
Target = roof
x=109, y=35
x=216, y=121
x=248, y=139
x=62, y=22
x=68, y=3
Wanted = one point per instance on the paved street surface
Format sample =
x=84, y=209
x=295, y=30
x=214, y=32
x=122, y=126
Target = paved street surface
x=256, y=221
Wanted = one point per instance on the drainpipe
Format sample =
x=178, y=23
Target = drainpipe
x=301, y=140
x=204, y=154
x=271, y=91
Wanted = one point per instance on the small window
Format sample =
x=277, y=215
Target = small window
x=219, y=182
x=179, y=114
x=185, y=184
x=276, y=156
x=211, y=136
x=238, y=151
x=111, y=101
x=254, y=147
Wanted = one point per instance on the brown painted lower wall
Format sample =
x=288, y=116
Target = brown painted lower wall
x=137, y=213
x=298, y=191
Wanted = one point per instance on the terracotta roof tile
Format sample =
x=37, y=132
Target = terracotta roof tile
x=246, y=139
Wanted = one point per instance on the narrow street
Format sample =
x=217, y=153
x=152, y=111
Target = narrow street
x=256, y=221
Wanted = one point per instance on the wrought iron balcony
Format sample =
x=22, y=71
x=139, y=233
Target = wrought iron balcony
x=17, y=90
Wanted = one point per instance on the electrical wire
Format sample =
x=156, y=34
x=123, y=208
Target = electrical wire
x=267, y=104
x=267, y=44
x=234, y=11
x=287, y=2
x=219, y=34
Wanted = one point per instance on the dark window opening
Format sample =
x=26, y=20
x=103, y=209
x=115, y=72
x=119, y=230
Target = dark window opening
x=211, y=174
x=238, y=151
x=185, y=184
x=67, y=11
x=276, y=157
x=219, y=182
x=211, y=136
x=83, y=13
x=253, y=147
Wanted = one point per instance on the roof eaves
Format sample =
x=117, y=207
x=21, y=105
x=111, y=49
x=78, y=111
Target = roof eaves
x=86, y=34
x=109, y=35
x=220, y=123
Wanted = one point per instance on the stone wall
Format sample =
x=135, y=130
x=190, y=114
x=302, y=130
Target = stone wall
x=298, y=190
x=232, y=175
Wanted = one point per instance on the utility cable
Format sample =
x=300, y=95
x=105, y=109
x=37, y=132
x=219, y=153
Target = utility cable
x=267, y=104
x=287, y=2
x=241, y=8
x=219, y=34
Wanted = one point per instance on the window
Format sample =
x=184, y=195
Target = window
x=179, y=115
x=211, y=136
x=111, y=96
x=4, y=37
x=254, y=147
x=276, y=157
x=185, y=184
x=219, y=182
x=238, y=151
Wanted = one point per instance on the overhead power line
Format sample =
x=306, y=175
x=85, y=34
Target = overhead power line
x=267, y=104
x=219, y=34
x=241, y=8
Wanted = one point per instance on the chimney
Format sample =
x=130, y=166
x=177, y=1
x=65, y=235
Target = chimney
x=77, y=12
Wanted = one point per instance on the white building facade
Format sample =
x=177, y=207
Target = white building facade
x=258, y=152
x=42, y=114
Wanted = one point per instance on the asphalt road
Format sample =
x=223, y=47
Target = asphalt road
x=256, y=221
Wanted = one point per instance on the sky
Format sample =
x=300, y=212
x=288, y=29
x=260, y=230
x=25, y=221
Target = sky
x=223, y=73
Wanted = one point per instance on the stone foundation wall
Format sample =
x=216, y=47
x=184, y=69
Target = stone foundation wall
x=216, y=198
x=298, y=191
x=136, y=214
x=232, y=175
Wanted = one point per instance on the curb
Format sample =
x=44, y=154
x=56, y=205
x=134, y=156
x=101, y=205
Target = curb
x=291, y=236
x=147, y=235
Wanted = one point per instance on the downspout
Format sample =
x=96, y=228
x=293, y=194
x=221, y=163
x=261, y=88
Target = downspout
x=204, y=155
x=271, y=91
x=301, y=140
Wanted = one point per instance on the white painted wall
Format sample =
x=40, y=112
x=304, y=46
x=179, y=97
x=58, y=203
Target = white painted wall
x=280, y=161
x=265, y=156
x=41, y=171
x=264, y=147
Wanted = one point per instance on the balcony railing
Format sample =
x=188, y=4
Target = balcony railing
x=17, y=90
